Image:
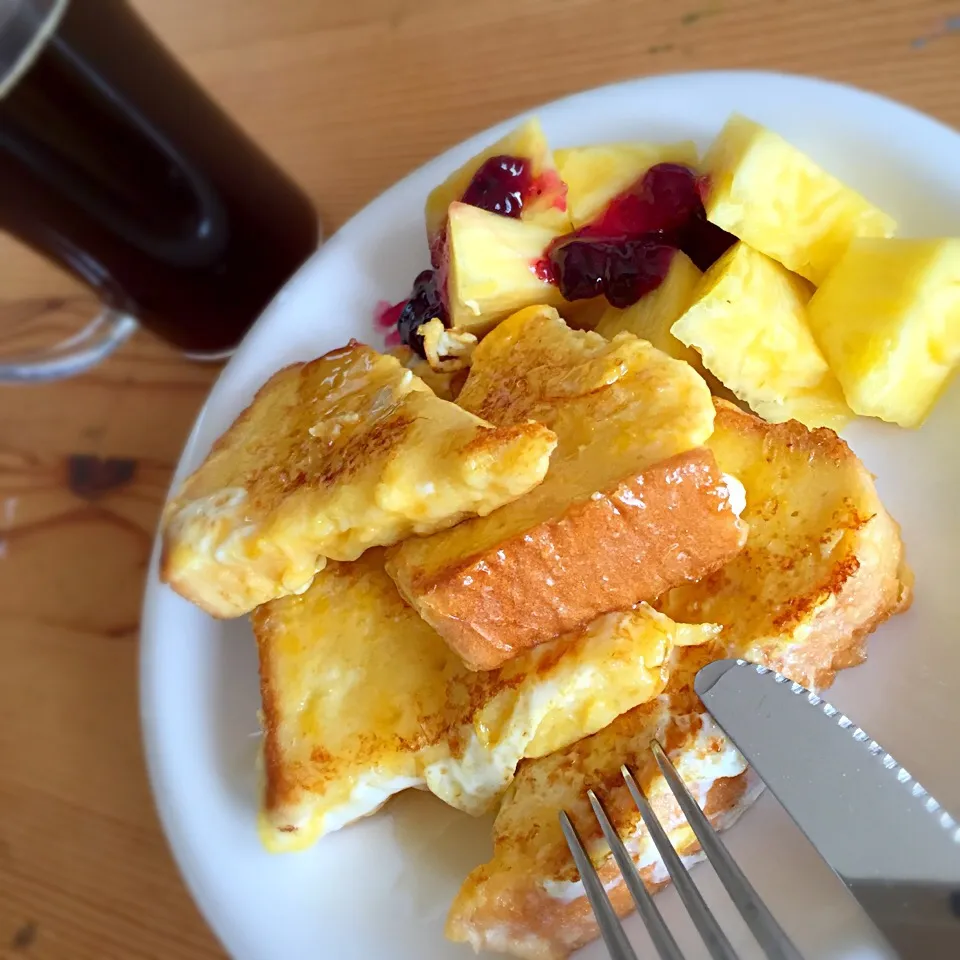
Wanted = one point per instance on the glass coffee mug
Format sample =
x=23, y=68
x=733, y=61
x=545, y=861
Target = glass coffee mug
x=116, y=165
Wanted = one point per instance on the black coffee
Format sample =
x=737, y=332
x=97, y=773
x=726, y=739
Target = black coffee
x=116, y=164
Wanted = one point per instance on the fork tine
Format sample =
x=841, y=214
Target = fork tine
x=769, y=933
x=715, y=939
x=609, y=923
x=659, y=934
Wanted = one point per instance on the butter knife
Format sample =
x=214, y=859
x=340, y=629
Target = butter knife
x=892, y=844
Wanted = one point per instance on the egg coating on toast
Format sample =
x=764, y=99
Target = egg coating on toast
x=528, y=900
x=346, y=452
x=631, y=505
x=823, y=564
x=361, y=699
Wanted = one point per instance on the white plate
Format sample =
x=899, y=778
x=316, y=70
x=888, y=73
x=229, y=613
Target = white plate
x=379, y=890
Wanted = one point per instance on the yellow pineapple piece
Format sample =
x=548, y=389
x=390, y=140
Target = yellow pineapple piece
x=526, y=141
x=652, y=316
x=493, y=267
x=748, y=323
x=888, y=320
x=770, y=195
x=595, y=175
x=584, y=314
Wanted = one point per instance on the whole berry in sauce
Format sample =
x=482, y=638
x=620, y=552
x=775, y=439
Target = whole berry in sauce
x=626, y=251
x=425, y=303
x=500, y=185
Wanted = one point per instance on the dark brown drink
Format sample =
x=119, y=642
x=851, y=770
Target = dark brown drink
x=117, y=165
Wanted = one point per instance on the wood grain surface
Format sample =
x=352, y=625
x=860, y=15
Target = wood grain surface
x=347, y=97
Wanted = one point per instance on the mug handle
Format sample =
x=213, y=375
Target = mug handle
x=77, y=354
x=111, y=327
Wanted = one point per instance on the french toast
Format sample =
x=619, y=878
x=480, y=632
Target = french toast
x=823, y=564
x=334, y=456
x=528, y=900
x=362, y=699
x=630, y=507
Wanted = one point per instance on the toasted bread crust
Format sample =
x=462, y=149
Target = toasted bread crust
x=527, y=900
x=492, y=913
x=667, y=525
x=281, y=790
x=331, y=457
x=358, y=691
x=805, y=608
x=822, y=567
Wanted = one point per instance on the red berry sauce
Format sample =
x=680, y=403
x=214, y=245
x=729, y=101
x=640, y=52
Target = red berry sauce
x=501, y=185
x=661, y=201
x=702, y=241
x=622, y=270
x=386, y=314
x=426, y=302
x=626, y=251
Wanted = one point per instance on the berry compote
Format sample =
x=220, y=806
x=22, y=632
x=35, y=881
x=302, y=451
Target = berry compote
x=626, y=251
x=501, y=185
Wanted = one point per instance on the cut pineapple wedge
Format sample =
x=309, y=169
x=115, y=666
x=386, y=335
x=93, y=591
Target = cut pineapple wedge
x=770, y=195
x=584, y=314
x=888, y=320
x=652, y=316
x=595, y=175
x=526, y=141
x=493, y=268
x=748, y=323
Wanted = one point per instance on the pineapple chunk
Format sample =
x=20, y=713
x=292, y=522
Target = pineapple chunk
x=493, y=268
x=652, y=316
x=770, y=195
x=888, y=320
x=527, y=141
x=748, y=322
x=584, y=314
x=595, y=175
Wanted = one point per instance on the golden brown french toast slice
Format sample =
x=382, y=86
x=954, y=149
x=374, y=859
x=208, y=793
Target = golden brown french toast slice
x=629, y=507
x=528, y=900
x=334, y=456
x=824, y=562
x=362, y=699
x=822, y=567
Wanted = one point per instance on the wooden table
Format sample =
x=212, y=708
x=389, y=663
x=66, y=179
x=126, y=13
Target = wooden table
x=348, y=98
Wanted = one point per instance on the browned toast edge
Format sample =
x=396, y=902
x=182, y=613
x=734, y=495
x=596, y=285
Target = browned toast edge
x=631, y=542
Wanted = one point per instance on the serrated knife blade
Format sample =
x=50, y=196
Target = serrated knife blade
x=892, y=844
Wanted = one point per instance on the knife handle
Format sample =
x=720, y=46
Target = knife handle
x=920, y=920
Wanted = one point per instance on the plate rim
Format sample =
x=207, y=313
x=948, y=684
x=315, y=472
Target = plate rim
x=205, y=898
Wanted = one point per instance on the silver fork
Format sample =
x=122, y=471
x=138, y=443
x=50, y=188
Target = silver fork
x=768, y=932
